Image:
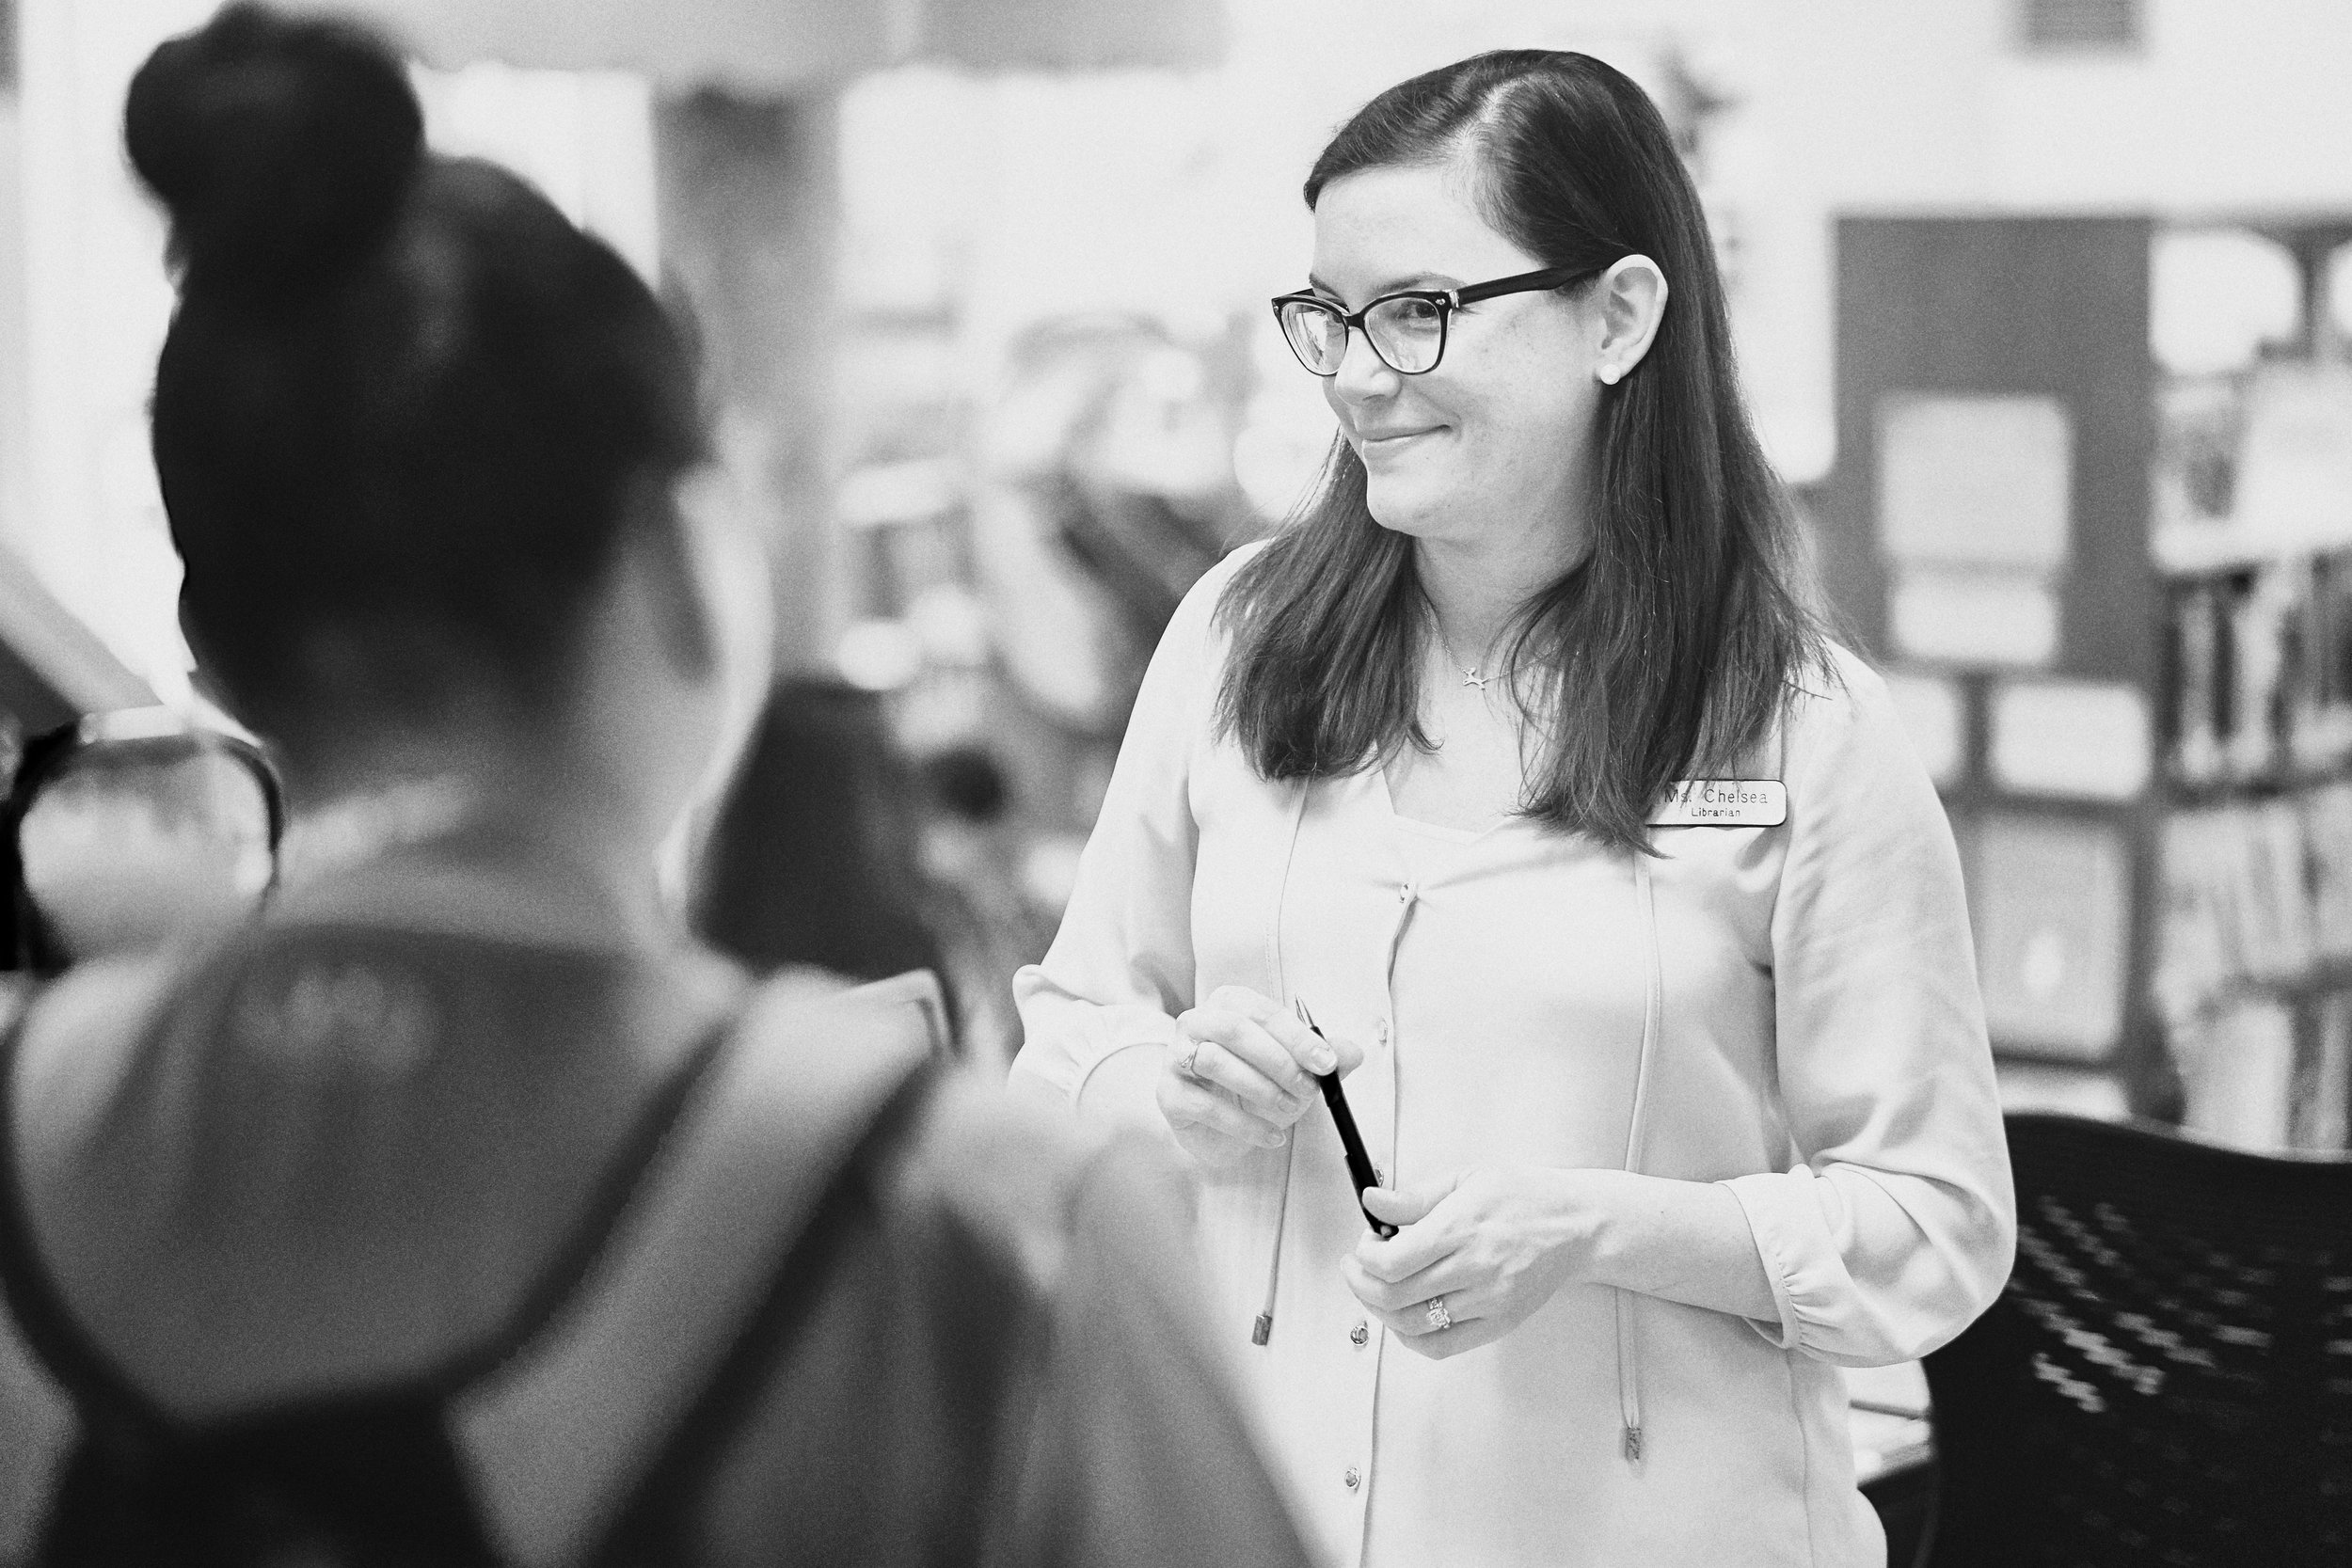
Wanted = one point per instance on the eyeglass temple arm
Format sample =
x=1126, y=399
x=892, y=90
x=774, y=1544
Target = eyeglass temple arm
x=1543, y=277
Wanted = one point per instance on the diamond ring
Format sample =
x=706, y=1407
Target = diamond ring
x=1439, y=1317
x=1185, y=1063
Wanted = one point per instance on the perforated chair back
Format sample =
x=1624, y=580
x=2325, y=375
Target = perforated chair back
x=2167, y=1377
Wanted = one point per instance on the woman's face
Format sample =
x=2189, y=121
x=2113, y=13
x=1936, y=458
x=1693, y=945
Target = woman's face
x=1489, y=447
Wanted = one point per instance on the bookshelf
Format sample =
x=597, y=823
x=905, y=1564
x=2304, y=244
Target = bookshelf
x=2114, y=598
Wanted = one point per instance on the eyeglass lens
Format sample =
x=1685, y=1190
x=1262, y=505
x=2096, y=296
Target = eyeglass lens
x=1407, y=334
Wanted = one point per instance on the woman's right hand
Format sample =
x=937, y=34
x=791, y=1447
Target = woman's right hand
x=1240, y=1072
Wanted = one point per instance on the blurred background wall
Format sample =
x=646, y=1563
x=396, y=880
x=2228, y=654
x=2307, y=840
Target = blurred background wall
x=981, y=286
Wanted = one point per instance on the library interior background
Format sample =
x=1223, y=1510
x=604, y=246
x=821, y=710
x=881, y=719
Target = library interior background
x=2044, y=308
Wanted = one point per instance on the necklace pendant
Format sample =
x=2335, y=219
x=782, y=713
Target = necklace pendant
x=1472, y=677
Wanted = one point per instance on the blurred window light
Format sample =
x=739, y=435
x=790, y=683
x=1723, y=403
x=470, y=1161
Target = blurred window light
x=2071, y=25
x=2216, y=295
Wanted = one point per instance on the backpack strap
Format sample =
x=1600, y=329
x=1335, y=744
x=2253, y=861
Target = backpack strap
x=556, y=1440
x=35, y=1306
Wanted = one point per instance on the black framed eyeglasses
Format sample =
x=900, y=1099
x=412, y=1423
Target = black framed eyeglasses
x=1407, y=330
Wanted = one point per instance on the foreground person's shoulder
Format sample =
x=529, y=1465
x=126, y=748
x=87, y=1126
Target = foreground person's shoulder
x=1138, y=1449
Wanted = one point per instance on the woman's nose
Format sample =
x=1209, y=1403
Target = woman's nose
x=1363, y=373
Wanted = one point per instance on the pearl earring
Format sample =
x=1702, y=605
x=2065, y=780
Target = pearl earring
x=1609, y=376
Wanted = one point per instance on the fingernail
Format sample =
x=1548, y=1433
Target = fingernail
x=1323, y=1058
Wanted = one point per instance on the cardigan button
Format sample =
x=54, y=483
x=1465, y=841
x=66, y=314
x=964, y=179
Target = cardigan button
x=1360, y=1333
x=1380, y=1031
x=1355, y=1477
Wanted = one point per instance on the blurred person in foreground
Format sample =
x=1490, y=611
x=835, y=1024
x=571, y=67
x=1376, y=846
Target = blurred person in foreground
x=459, y=1208
x=1516, y=759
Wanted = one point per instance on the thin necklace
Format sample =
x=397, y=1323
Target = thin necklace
x=1470, y=671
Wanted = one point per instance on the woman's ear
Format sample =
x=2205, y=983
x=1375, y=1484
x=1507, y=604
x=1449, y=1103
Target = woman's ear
x=1632, y=296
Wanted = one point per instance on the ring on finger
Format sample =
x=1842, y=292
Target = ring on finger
x=1188, y=1063
x=1440, y=1319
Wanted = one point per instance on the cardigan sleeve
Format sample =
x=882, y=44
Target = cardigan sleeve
x=1121, y=966
x=1895, y=1226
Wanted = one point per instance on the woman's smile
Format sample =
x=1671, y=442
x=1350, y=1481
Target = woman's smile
x=1382, y=445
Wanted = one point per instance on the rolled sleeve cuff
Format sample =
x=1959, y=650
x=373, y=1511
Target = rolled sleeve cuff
x=1069, y=1040
x=1785, y=1221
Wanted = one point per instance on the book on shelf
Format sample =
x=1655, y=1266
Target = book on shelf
x=2258, y=673
x=2321, y=1117
x=2255, y=891
x=2253, y=975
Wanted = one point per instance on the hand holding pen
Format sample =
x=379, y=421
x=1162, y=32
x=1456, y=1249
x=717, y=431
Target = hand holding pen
x=1241, y=1073
x=1360, y=1166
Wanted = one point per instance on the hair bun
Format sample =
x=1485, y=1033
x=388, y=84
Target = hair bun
x=280, y=145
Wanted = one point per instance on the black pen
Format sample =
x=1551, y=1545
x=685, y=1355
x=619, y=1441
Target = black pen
x=1359, y=1160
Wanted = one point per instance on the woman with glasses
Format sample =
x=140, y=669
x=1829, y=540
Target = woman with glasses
x=1518, y=765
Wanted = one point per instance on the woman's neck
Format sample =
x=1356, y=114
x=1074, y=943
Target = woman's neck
x=1477, y=592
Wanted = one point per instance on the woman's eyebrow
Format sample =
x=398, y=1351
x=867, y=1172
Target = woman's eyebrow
x=1393, y=285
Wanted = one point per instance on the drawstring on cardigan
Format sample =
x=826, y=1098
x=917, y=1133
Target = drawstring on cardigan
x=1263, y=1330
x=1629, y=1350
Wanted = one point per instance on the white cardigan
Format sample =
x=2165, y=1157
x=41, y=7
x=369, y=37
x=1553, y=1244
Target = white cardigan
x=1791, y=1011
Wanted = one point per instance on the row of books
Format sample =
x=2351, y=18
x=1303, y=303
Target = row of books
x=2258, y=674
x=2257, y=894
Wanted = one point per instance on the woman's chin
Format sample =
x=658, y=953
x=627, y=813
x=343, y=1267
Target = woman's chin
x=1402, y=509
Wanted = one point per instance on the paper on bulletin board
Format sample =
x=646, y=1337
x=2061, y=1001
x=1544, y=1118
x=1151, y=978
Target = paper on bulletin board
x=1978, y=481
x=1974, y=510
x=1975, y=617
x=2051, y=897
x=2090, y=740
x=2295, y=465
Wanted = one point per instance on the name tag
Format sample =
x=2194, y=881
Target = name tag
x=1723, y=803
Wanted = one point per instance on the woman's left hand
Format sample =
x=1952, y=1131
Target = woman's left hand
x=1494, y=1242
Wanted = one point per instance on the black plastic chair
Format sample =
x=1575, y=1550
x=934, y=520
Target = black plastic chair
x=2167, y=1377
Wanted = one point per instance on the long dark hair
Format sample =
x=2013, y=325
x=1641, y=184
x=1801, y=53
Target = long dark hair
x=405, y=408
x=1671, y=647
